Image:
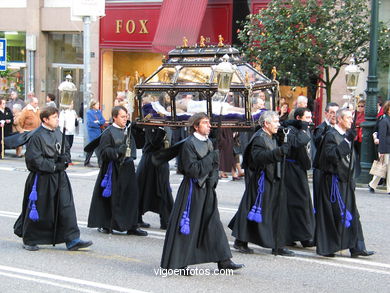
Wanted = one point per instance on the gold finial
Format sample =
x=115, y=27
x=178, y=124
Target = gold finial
x=201, y=42
x=246, y=78
x=258, y=65
x=220, y=41
x=185, y=42
x=274, y=73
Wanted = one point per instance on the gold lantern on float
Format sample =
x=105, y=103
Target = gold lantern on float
x=224, y=71
x=67, y=92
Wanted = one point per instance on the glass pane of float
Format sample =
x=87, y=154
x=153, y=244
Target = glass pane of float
x=164, y=76
x=194, y=75
x=250, y=75
x=156, y=105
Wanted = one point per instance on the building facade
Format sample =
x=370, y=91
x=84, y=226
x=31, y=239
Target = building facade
x=44, y=45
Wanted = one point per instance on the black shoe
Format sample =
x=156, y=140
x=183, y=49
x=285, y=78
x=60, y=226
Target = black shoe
x=163, y=226
x=142, y=224
x=242, y=247
x=104, y=230
x=372, y=190
x=80, y=244
x=308, y=243
x=292, y=244
x=229, y=265
x=283, y=252
x=30, y=247
x=363, y=252
x=137, y=232
x=329, y=255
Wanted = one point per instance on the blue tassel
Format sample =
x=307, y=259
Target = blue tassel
x=33, y=197
x=104, y=181
x=349, y=216
x=185, y=229
x=107, y=192
x=255, y=213
x=33, y=215
x=335, y=195
x=258, y=218
x=107, y=181
x=185, y=218
x=251, y=214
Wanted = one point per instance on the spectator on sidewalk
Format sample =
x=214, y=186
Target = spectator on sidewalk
x=95, y=123
x=6, y=119
x=14, y=99
x=29, y=118
x=17, y=110
x=301, y=103
x=68, y=118
x=383, y=140
x=51, y=100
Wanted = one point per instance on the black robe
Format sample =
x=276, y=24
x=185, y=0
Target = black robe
x=299, y=203
x=41, y=155
x=153, y=181
x=207, y=241
x=7, y=129
x=119, y=211
x=334, y=160
x=262, y=154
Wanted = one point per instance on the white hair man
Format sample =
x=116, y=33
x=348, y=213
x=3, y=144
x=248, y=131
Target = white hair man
x=255, y=220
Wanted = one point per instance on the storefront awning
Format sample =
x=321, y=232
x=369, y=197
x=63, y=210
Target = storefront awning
x=178, y=19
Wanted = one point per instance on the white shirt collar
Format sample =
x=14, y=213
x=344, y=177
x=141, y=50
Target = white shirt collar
x=47, y=127
x=117, y=126
x=200, y=137
x=339, y=130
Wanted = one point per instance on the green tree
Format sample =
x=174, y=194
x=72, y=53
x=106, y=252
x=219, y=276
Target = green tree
x=305, y=39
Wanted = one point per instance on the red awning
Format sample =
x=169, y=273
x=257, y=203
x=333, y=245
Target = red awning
x=178, y=19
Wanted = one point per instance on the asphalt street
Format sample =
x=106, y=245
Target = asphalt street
x=121, y=263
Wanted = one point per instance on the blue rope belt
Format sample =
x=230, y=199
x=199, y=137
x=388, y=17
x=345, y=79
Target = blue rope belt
x=255, y=213
x=185, y=219
x=107, y=181
x=33, y=197
x=336, y=195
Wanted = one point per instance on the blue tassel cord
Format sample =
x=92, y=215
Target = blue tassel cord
x=255, y=213
x=33, y=197
x=185, y=218
x=107, y=181
x=336, y=196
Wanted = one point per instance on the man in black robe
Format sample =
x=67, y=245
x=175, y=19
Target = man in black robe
x=337, y=216
x=114, y=204
x=318, y=137
x=298, y=161
x=6, y=120
x=195, y=233
x=48, y=187
x=263, y=196
x=153, y=181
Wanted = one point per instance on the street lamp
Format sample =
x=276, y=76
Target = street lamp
x=367, y=153
x=352, y=72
